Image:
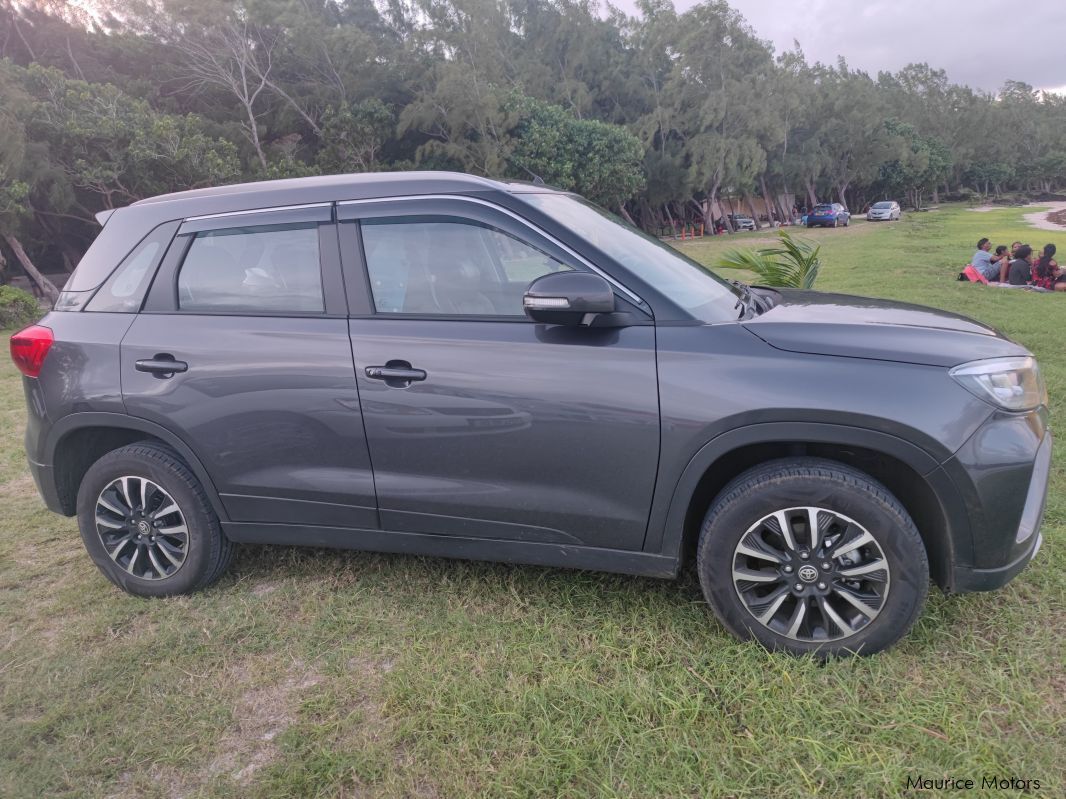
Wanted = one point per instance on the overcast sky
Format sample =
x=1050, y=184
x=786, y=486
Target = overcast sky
x=981, y=43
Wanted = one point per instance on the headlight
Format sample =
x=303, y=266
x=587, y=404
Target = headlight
x=1012, y=383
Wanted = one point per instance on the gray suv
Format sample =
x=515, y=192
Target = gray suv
x=438, y=364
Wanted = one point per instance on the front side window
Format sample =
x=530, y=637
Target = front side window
x=682, y=280
x=449, y=267
x=264, y=269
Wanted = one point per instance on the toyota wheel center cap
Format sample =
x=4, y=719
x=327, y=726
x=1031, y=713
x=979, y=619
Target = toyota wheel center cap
x=808, y=574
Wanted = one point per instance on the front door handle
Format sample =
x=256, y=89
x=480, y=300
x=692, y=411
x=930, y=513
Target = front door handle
x=163, y=365
x=397, y=374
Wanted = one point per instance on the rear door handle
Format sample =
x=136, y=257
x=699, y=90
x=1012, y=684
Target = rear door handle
x=162, y=365
x=396, y=374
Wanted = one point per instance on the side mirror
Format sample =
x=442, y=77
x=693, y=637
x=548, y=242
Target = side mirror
x=568, y=298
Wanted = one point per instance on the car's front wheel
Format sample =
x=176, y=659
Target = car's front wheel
x=812, y=556
x=148, y=525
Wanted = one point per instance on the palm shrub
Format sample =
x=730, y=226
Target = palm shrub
x=17, y=308
x=793, y=263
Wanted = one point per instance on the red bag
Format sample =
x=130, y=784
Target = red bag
x=973, y=275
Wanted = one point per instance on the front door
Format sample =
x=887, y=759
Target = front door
x=250, y=311
x=480, y=422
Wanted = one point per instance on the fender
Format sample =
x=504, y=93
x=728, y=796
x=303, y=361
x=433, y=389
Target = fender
x=79, y=421
x=667, y=518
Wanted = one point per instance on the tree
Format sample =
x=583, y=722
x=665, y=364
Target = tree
x=14, y=191
x=710, y=95
x=595, y=159
x=115, y=149
x=355, y=135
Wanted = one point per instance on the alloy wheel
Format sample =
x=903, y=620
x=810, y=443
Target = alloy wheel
x=142, y=528
x=811, y=574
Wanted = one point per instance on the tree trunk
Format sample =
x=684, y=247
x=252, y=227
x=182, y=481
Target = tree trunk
x=49, y=290
x=811, y=196
x=670, y=219
x=936, y=194
x=768, y=201
x=712, y=201
x=727, y=218
x=785, y=194
x=841, y=189
x=626, y=216
x=253, y=135
x=751, y=207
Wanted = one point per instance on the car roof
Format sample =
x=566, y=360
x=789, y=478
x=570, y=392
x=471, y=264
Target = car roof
x=144, y=214
x=351, y=186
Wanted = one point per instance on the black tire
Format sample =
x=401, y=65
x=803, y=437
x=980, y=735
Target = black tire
x=832, y=488
x=207, y=552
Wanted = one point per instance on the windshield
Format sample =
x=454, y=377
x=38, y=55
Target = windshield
x=823, y=209
x=682, y=280
x=883, y=205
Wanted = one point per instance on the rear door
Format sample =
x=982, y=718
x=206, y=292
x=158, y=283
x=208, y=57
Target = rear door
x=480, y=422
x=250, y=311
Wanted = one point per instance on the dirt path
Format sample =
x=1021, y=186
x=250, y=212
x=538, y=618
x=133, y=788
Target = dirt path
x=1050, y=217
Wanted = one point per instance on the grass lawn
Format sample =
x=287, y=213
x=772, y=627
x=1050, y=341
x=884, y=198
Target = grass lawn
x=322, y=673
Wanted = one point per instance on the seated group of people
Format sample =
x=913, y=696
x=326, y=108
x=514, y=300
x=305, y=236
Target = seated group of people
x=1019, y=266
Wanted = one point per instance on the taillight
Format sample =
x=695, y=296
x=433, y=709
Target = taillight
x=29, y=347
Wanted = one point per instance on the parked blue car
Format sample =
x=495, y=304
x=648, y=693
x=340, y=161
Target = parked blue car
x=829, y=215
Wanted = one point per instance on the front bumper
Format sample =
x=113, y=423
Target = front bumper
x=968, y=578
x=1001, y=474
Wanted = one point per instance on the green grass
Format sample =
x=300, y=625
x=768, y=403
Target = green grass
x=346, y=674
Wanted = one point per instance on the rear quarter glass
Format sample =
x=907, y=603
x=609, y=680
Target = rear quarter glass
x=116, y=241
x=124, y=290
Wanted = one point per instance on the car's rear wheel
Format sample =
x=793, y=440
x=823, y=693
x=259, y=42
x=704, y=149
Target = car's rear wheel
x=148, y=525
x=811, y=556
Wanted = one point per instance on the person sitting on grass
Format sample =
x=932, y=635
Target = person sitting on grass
x=1018, y=272
x=1046, y=272
x=982, y=261
x=1001, y=257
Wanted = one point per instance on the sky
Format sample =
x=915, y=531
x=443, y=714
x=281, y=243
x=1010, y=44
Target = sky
x=981, y=43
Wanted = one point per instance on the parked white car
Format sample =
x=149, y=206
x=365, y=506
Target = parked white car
x=741, y=222
x=887, y=210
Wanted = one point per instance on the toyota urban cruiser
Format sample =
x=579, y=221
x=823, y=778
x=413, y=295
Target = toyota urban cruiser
x=445, y=365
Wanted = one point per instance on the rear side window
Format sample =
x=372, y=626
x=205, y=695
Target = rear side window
x=263, y=269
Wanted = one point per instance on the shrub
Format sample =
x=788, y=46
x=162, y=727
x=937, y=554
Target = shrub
x=792, y=264
x=17, y=308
